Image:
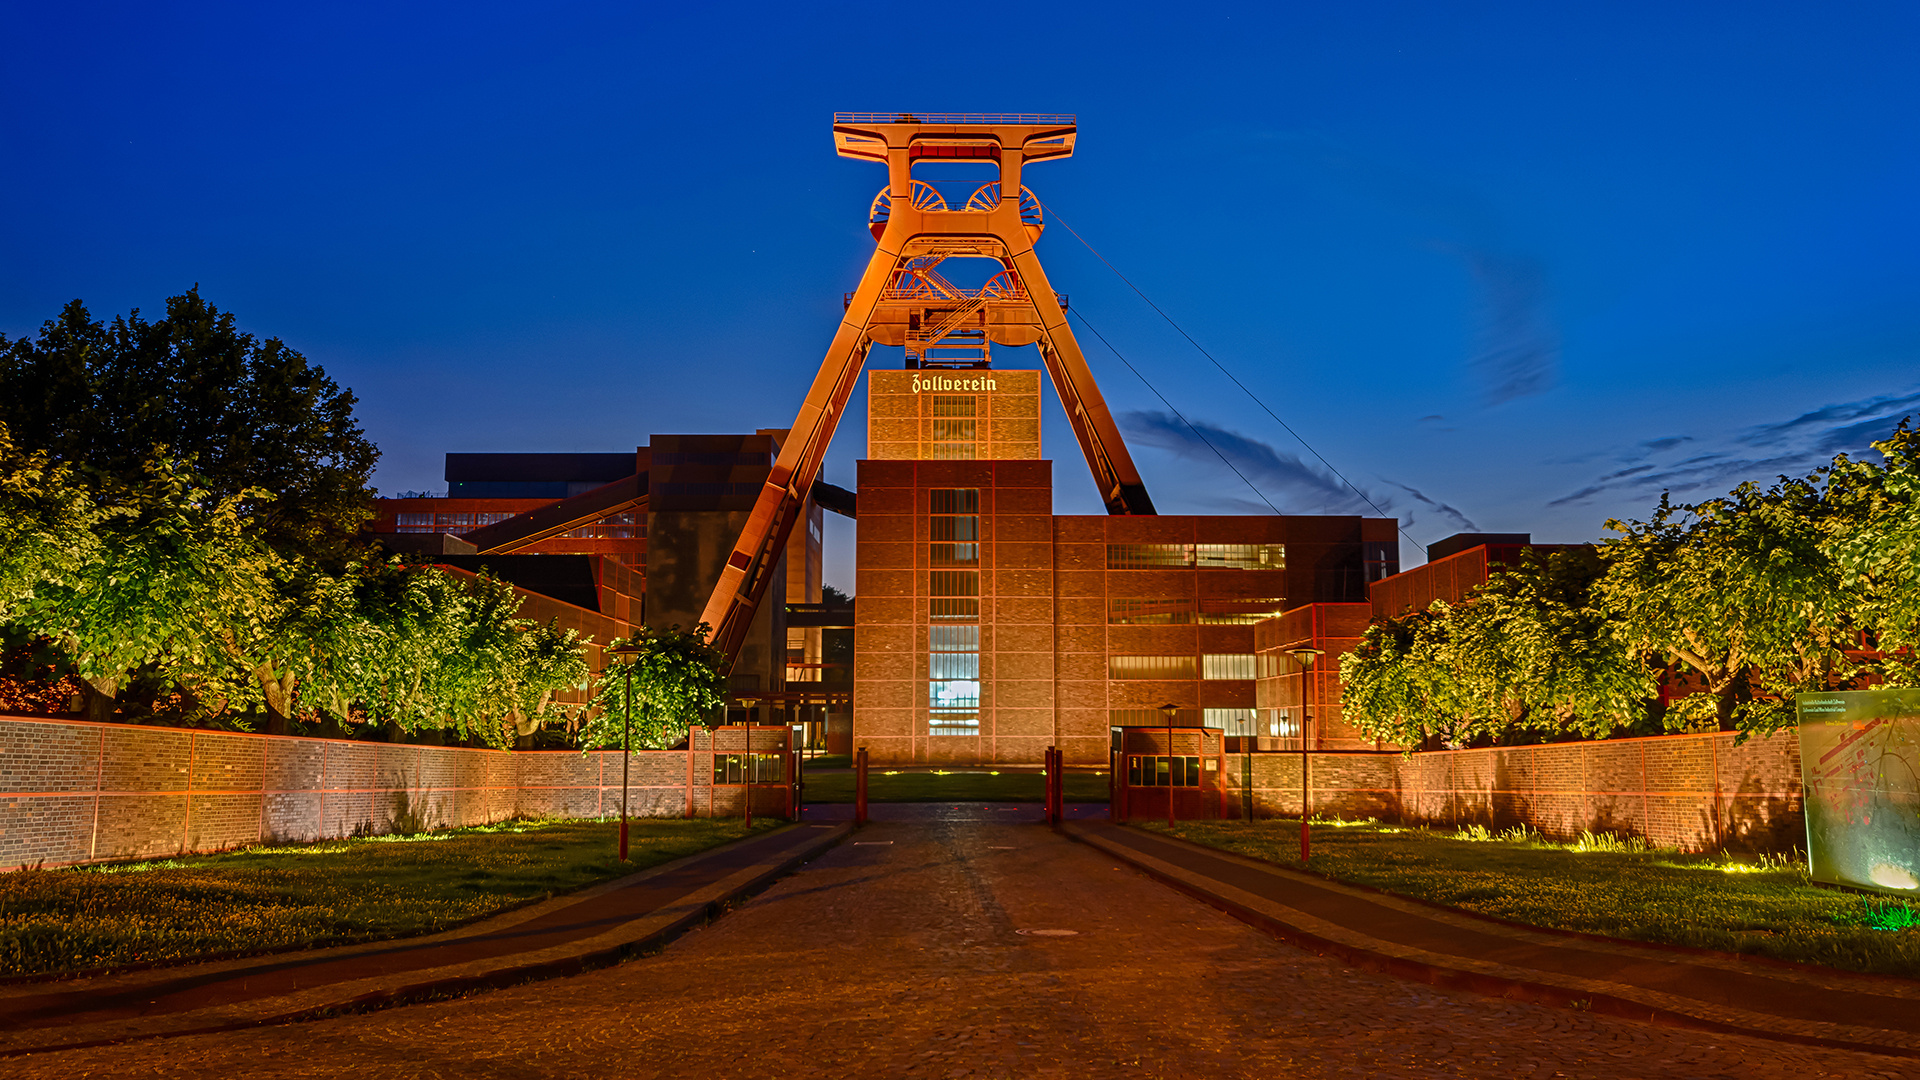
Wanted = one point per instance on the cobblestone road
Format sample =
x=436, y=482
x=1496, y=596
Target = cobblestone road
x=902, y=953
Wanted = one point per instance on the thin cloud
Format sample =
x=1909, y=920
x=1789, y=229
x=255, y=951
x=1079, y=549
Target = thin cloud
x=1293, y=484
x=1792, y=447
x=1517, y=351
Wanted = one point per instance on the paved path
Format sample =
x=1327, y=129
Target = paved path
x=1716, y=991
x=901, y=952
x=596, y=925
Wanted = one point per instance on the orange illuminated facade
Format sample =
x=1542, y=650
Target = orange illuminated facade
x=987, y=628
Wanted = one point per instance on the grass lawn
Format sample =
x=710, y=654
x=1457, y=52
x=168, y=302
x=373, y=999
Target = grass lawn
x=1602, y=886
x=334, y=892
x=986, y=786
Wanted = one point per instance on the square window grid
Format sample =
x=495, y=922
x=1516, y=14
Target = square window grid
x=1149, y=771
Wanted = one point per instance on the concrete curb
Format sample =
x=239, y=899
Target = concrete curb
x=645, y=933
x=1499, y=980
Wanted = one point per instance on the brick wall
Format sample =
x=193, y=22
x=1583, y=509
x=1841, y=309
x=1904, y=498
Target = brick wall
x=1695, y=792
x=76, y=792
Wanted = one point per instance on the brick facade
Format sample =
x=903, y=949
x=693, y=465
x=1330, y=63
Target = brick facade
x=1694, y=792
x=77, y=792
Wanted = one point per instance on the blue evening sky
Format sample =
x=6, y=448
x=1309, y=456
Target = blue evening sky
x=1513, y=266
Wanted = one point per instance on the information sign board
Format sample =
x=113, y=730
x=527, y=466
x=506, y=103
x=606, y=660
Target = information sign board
x=1860, y=771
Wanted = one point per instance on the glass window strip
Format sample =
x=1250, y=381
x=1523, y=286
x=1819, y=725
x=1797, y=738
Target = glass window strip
x=1127, y=611
x=1227, y=666
x=1150, y=667
x=1147, y=770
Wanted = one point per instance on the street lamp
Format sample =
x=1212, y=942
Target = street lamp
x=1305, y=657
x=1246, y=773
x=1169, y=710
x=629, y=652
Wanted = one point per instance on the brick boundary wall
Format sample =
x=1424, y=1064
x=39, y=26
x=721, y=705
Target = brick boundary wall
x=1693, y=792
x=78, y=792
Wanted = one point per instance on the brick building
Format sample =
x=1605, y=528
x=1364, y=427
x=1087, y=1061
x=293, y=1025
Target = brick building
x=606, y=542
x=989, y=627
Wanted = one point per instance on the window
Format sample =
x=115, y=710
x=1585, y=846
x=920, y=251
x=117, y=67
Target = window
x=450, y=522
x=1149, y=667
x=953, y=405
x=941, y=609
x=1226, y=666
x=955, y=429
x=749, y=768
x=954, y=500
x=1220, y=611
x=1231, y=721
x=1141, y=612
x=1203, y=556
x=1177, y=771
x=1149, y=556
x=1240, y=556
x=1153, y=718
x=953, y=609
x=953, y=583
x=1281, y=724
x=629, y=526
x=953, y=679
x=956, y=540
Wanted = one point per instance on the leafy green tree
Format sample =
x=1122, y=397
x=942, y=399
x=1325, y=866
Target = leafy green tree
x=174, y=570
x=678, y=680
x=280, y=642
x=1527, y=653
x=1874, y=542
x=548, y=660
x=1402, y=683
x=49, y=525
x=1532, y=646
x=260, y=423
x=426, y=649
x=1740, y=591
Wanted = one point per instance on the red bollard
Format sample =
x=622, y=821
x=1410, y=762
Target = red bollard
x=1059, y=784
x=860, y=787
x=1046, y=778
x=1056, y=787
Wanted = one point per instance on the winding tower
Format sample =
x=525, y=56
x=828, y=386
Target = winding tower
x=904, y=301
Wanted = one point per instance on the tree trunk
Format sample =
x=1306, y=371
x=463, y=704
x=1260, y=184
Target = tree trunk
x=278, y=692
x=100, y=695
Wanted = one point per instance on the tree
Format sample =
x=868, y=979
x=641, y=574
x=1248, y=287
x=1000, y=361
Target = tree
x=678, y=680
x=546, y=661
x=259, y=423
x=1526, y=653
x=1874, y=543
x=174, y=571
x=49, y=524
x=1738, y=589
x=1402, y=685
x=1533, y=646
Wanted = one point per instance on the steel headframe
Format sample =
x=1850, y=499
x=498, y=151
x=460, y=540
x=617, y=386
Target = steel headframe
x=903, y=301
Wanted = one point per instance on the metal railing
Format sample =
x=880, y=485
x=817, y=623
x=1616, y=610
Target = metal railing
x=983, y=119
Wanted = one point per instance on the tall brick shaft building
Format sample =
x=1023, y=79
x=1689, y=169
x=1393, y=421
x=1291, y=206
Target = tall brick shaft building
x=988, y=627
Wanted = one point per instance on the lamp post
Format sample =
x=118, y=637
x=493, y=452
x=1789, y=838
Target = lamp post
x=1305, y=657
x=1169, y=710
x=1246, y=773
x=630, y=653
